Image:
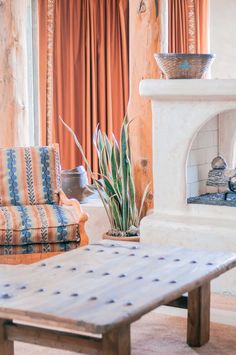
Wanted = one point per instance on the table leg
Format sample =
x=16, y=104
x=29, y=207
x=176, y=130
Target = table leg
x=117, y=341
x=6, y=346
x=198, y=330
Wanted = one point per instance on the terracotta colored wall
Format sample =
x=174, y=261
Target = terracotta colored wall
x=144, y=42
x=13, y=73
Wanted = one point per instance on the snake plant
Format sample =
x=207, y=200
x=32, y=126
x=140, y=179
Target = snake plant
x=116, y=186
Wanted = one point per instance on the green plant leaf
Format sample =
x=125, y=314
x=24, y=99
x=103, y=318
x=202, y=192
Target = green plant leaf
x=132, y=197
x=145, y=193
x=116, y=151
x=114, y=167
x=95, y=139
x=103, y=163
x=123, y=168
x=116, y=214
x=100, y=143
x=110, y=190
x=108, y=147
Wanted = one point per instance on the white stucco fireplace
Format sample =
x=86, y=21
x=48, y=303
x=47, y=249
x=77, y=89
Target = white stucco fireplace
x=180, y=108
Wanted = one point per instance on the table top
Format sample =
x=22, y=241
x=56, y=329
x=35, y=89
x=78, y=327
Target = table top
x=100, y=286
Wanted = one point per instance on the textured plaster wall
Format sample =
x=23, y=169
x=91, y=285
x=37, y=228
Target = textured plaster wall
x=223, y=38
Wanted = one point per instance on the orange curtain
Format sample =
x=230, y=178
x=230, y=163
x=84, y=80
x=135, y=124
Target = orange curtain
x=42, y=23
x=90, y=72
x=178, y=26
x=201, y=11
x=188, y=26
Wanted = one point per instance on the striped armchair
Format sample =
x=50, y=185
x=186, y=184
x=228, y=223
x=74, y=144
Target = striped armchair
x=36, y=218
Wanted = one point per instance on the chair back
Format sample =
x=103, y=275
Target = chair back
x=29, y=175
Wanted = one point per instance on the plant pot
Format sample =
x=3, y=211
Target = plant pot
x=74, y=183
x=124, y=239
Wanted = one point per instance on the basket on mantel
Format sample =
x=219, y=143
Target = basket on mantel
x=184, y=66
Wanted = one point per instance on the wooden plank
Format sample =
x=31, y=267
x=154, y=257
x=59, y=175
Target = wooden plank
x=117, y=341
x=100, y=300
x=148, y=296
x=53, y=339
x=198, y=330
x=6, y=345
x=88, y=278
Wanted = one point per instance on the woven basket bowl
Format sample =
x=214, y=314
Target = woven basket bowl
x=184, y=66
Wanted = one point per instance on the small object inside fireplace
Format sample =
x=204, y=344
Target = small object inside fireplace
x=218, y=175
x=224, y=180
x=232, y=184
x=219, y=163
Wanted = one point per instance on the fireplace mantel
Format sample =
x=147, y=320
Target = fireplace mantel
x=179, y=109
x=189, y=89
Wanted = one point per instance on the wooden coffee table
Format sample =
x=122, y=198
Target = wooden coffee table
x=95, y=292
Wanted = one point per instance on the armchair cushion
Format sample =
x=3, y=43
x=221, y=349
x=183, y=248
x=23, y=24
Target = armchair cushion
x=23, y=228
x=37, y=248
x=29, y=175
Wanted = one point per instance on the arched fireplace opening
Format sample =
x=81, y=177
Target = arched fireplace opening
x=211, y=163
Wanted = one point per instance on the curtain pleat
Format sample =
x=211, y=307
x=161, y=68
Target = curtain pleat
x=201, y=11
x=178, y=26
x=188, y=26
x=90, y=72
x=42, y=23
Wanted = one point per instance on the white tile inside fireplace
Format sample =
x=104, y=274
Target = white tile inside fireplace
x=204, y=149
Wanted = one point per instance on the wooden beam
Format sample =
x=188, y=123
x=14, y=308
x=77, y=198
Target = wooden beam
x=117, y=341
x=198, y=330
x=144, y=30
x=52, y=339
x=6, y=345
x=14, y=98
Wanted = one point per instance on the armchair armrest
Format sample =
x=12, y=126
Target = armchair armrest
x=81, y=216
